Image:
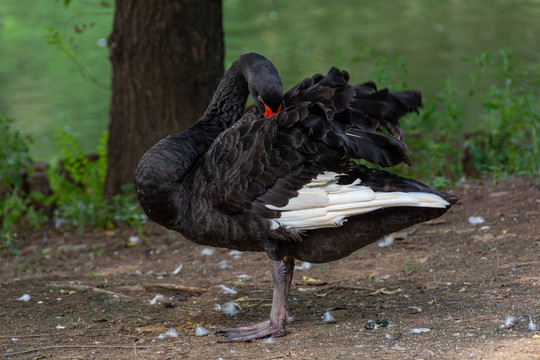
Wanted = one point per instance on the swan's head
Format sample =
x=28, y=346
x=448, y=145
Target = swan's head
x=264, y=85
x=271, y=107
x=267, y=94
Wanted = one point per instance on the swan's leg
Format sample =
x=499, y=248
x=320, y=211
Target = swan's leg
x=282, y=272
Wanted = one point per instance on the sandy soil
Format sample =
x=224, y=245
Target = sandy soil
x=455, y=281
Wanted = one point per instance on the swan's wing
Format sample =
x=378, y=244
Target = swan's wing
x=259, y=164
x=362, y=105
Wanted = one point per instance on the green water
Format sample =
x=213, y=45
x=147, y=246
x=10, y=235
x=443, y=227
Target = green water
x=43, y=90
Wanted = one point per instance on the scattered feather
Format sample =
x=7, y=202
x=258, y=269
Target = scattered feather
x=394, y=336
x=328, y=318
x=60, y=326
x=387, y=241
x=231, y=308
x=25, y=298
x=269, y=340
x=169, y=333
x=419, y=330
x=217, y=307
x=134, y=241
x=509, y=322
x=208, y=251
x=201, y=331
x=178, y=269
x=226, y=290
x=235, y=254
x=14, y=339
x=305, y=266
x=157, y=298
x=243, y=277
x=532, y=325
x=476, y=220
x=290, y=319
x=416, y=308
x=485, y=228
x=223, y=265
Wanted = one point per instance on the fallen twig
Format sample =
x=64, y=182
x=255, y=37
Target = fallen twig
x=190, y=289
x=72, y=332
x=349, y=287
x=93, y=288
x=519, y=264
x=50, y=347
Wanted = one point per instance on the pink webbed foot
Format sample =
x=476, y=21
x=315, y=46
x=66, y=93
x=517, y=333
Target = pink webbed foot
x=275, y=326
x=248, y=332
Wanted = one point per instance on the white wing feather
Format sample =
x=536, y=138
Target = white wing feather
x=324, y=203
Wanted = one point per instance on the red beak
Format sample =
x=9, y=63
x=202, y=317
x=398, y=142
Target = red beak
x=268, y=112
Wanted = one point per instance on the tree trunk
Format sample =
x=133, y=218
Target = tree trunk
x=167, y=60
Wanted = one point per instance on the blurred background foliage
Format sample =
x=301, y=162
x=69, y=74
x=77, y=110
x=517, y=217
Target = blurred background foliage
x=55, y=71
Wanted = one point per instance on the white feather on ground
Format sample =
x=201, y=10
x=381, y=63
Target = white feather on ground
x=328, y=318
x=532, y=325
x=419, y=330
x=387, y=241
x=226, y=290
x=509, y=322
x=476, y=220
x=157, y=298
x=208, y=251
x=305, y=266
x=169, y=333
x=201, y=331
x=25, y=298
x=231, y=308
x=223, y=265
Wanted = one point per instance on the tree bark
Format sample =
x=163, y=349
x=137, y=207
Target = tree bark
x=167, y=60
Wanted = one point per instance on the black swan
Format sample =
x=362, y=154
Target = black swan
x=280, y=178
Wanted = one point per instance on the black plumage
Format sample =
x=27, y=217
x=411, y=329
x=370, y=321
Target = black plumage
x=219, y=182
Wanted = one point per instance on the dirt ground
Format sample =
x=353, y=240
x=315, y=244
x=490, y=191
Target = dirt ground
x=453, y=281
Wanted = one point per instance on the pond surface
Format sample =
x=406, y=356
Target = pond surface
x=305, y=37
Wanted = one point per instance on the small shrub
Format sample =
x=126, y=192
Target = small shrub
x=509, y=142
x=16, y=200
x=77, y=185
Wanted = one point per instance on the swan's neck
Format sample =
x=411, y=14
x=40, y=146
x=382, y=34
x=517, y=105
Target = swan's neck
x=161, y=171
x=228, y=103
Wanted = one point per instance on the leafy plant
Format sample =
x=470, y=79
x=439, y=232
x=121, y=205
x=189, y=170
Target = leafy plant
x=509, y=141
x=412, y=266
x=77, y=185
x=54, y=38
x=434, y=138
x=505, y=100
x=16, y=200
